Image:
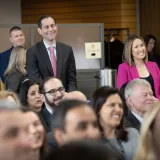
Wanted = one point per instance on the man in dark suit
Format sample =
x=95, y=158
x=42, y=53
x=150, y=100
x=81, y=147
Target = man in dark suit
x=53, y=92
x=139, y=98
x=17, y=38
x=43, y=62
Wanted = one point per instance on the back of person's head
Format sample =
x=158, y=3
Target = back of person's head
x=133, y=85
x=149, y=144
x=127, y=52
x=17, y=60
x=84, y=150
x=24, y=91
x=75, y=95
x=9, y=96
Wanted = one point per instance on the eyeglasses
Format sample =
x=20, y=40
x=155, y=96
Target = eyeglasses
x=47, y=26
x=53, y=92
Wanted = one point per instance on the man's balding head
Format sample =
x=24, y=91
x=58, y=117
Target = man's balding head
x=75, y=95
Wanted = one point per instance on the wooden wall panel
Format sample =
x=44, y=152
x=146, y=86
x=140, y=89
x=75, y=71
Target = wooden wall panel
x=149, y=19
x=113, y=13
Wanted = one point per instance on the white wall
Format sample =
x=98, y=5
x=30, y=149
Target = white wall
x=10, y=11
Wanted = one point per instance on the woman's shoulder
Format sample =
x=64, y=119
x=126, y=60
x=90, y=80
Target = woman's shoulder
x=132, y=132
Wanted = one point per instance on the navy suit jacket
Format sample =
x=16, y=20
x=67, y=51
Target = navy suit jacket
x=4, y=60
x=39, y=66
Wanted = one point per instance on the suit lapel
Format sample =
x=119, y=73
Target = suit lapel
x=133, y=120
x=59, y=59
x=44, y=54
x=134, y=72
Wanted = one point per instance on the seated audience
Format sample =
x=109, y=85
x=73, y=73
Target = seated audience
x=9, y=97
x=15, y=73
x=108, y=105
x=151, y=45
x=73, y=120
x=84, y=150
x=53, y=92
x=149, y=146
x=139, y=98
x=36, y=134
x=14, y=144
x=136, y=65
x=77, y=95
x=30, y=96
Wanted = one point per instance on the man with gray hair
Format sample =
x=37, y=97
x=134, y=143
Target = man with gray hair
x=139, y=98
x=13, y=133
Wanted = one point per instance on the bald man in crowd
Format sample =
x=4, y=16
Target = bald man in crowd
x=75, y=95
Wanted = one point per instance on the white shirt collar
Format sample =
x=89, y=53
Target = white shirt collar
x=47, y=45
x=49, y=108
x=138, y=117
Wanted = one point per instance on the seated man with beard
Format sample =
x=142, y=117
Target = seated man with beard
x=53, y=92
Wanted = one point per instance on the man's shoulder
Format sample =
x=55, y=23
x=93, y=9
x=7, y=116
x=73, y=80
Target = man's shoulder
x=4, y=53
x=62, y=44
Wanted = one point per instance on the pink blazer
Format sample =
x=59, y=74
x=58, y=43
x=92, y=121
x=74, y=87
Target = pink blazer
x=127, y=73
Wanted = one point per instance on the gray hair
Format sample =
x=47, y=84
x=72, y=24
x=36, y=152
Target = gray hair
x=8, y=106
x=130, y=88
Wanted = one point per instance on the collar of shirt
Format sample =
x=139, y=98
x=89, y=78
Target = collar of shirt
x=49, y=108
x=138, y=117
x=47, y=46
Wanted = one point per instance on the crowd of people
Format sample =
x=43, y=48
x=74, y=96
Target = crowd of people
x=43, y=116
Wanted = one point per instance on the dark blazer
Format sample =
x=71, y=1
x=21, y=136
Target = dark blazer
x=51, y=141
x=13, y=80
x=4, y=60
x=131, y=121
x=39, y=66
x=47, y=118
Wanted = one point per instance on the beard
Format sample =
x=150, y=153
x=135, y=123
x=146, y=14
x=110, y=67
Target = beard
x=52, y=104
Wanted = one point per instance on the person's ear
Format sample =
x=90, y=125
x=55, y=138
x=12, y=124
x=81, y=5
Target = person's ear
x=58, y=134
x=11, y=40
x=39, y=31
x=43, y=97
x=129, y=102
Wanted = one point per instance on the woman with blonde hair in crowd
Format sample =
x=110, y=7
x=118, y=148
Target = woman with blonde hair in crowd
x=149, y=145
x=136, y=65
x=10, y=97
x=16, y=72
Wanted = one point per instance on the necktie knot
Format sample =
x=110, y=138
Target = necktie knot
x=51, y=49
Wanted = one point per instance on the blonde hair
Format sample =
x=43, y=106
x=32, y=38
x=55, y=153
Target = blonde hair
x=145, y=150
x=5, y=94
x=127, y=51
x=17, y=60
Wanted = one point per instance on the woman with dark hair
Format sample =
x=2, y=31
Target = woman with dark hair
x=30, y=95
x=36, y=134
x=151, y=43
x=108, y=105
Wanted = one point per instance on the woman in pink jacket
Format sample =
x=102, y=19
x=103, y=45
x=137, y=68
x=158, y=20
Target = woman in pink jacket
x=136, y=65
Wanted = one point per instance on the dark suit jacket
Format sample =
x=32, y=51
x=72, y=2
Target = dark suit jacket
x=39, y=66
x=4, y=60
x=47, y=118
x=131, y=121
x=14, y=80
x=51, y=141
